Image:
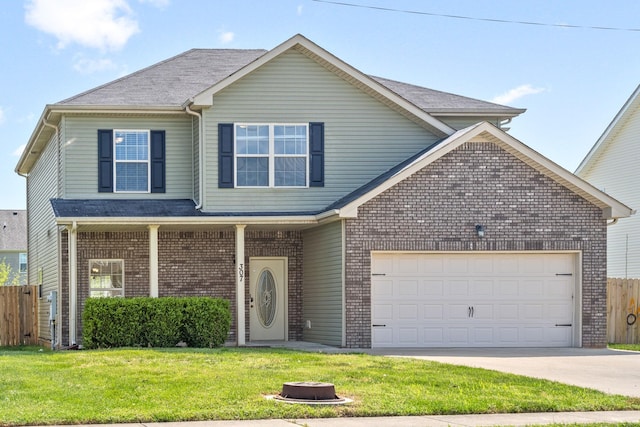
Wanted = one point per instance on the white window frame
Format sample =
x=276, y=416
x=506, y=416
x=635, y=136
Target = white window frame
x=116, y=161
x=23, y=261
x=112, y=289
x=271, y=155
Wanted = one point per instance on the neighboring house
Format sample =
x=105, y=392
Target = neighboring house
x=13, y=245
x=325, y=204
x=612, y=166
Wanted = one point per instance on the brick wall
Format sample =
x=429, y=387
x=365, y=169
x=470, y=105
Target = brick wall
x=437, y=209
x=192, y=263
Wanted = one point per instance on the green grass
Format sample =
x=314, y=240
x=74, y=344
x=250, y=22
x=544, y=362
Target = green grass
x=628, y=347
x=144, y=385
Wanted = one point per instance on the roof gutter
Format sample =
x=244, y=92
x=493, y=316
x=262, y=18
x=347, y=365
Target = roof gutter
x=203, y=220
x=188, y=110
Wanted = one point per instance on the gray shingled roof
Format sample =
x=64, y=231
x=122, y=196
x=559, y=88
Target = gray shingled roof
x=172, y=82
x=13, y=230
x=435, y=101
x=143, y=208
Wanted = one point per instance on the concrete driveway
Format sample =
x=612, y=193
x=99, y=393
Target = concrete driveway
x=610, y=371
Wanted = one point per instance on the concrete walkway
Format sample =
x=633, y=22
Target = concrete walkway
x=572, y=418
x=609, y=371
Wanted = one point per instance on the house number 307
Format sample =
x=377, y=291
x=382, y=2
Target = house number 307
x=241, y=272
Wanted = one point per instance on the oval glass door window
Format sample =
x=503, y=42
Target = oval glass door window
x=267, y=298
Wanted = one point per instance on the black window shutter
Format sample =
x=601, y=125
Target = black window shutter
x=316, y=154
x=225, y=155
x=105, y=161
x=158, y=161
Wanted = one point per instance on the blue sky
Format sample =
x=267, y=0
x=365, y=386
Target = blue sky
x=572, y=81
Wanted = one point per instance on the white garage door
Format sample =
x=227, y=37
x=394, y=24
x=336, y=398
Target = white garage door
x=472, y=300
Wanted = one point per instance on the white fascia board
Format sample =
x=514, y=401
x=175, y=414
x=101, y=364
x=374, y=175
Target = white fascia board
x=51, y=111
x=35, y=136
x=205, y=98
x=605, y=138
x=611, y=208
x=207, y=220
x=476, y=113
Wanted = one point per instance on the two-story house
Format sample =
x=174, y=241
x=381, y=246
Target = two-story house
x=612, y=166
x=325, y=204
x=13, y=246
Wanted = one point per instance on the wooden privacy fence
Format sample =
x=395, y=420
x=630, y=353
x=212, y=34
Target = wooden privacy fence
x=623, y=311
x=18, y=315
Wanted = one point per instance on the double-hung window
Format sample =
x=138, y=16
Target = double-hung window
x=22, y=262
x=106, y=278
x=131, y=162
x=272, y=155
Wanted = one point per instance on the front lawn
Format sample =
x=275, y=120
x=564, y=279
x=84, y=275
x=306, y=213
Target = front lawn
x=144, y=385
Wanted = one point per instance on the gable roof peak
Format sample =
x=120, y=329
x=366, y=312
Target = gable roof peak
x=633, y=103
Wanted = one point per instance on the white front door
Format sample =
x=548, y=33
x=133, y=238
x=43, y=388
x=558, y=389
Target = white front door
x=268, y=303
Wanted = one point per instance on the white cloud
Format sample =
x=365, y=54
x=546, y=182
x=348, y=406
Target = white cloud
x=226, y=37
x=516, y=93
x=88, y=66
x=102, y=24
x=18, y=151
x=2, y=116
x=300, y=10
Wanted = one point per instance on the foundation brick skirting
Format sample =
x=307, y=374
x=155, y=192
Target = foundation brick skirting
x=437, y=209
x=198, y=263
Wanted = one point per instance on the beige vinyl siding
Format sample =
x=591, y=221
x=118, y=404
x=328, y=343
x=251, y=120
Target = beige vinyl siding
x=322, y=284
x=42, y=230
x=81, y=150
x=363, y=137
x=616, y=172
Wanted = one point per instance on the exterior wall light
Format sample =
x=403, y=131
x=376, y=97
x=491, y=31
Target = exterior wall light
x=480, y=230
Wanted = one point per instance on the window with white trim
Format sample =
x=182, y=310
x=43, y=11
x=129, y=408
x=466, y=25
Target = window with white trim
x=131, y=161
x=106, y=278
x=22, y=262
x=271, y=155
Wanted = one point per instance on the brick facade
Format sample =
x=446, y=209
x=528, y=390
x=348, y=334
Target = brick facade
x=437, y=209
x=198, y=263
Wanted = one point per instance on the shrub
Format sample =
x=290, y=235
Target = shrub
x=205, y=323
x=155, y=322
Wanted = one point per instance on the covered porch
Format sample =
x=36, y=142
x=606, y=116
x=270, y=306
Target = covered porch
x=259, y=258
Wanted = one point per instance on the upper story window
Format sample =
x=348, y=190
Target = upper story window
x=131, y=165
x=22, y=262
x=272, y=155
x=131, y=161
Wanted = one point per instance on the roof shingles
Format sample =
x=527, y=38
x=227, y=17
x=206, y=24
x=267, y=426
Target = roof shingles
x=173, y=82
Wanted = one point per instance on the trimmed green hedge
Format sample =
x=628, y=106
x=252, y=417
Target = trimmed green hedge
x=155, y=322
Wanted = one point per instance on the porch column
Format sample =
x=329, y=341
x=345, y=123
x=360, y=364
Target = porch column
x=240, y=330
x=73, y=281
x=153, y=261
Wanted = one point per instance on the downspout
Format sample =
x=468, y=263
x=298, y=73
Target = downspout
x=614, y=221
x=200, y=148
x=73, y=281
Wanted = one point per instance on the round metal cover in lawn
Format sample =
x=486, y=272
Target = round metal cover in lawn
x=311, y=393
